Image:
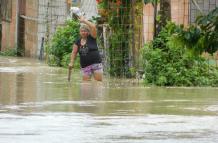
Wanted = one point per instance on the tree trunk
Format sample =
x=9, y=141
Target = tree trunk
x=165, y=12
x=155, y=18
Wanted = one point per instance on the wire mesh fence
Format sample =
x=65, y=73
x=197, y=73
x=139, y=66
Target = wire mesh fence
x=37, y=22
x=122, y=36
x=203, y=7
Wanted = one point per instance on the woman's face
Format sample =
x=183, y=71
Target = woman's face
x=84, y=33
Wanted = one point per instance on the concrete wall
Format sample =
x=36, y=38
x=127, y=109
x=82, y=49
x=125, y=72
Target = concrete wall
x=179, y=14
x=39, y=19
x=180, y=11
x=31, y=28
x=148, y=22
x=9, y=29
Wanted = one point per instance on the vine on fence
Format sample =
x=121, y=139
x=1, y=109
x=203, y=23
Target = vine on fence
x=117, y=13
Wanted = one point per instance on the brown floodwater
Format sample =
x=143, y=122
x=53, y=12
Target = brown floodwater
x=38, y=105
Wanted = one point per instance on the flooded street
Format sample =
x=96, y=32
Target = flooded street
x=38, y=105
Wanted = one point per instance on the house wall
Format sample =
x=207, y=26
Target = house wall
x=179, y=14
x=34, y=18
x=148, y=22
x=31, y=28
x=180, y=11
x=9, y=28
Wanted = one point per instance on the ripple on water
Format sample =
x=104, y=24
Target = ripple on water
x=213, y=108
x=83, y=127
x=14, y=69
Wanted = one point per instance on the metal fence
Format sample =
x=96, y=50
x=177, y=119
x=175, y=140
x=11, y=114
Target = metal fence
x=197, y=7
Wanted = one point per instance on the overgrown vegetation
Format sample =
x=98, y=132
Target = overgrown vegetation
x=174, y=57
x=117, y=13
x=60, y=47
x=11, y=52
x=118, y=20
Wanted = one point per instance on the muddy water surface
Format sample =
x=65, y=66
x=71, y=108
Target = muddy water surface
x=38, y=105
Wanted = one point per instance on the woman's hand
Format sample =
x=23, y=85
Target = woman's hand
x=92, y=26
x=82, y=19
x=70, y=66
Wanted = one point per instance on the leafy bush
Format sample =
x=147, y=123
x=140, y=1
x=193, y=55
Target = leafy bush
x=209, y=26
x=11, y=52
x=8, y=52
x=61, y=43
x=66, y=60
x=203, y=36
x=168, y=62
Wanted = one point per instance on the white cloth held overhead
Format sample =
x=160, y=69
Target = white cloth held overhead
x=76, y=11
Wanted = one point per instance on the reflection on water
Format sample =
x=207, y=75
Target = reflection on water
x=37, y=104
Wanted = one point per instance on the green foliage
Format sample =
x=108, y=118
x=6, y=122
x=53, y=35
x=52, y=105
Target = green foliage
x=163, y=36
x=66, y=60
x=192, y=38
x=118, y=52
x=61, y=43
x=8, y=52
x=150, y=1
x=11, y=52
x=118, y=16
x=209, y=27
x=203, y=36
x=103, y=4
x=119, y=21
x=167, y=62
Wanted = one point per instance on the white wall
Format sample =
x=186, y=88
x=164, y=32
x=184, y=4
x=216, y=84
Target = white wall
x=89, y=7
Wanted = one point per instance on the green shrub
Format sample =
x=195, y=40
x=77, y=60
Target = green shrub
x=169, y=62
x=209, y=27
x=61, y=43
x=66, y=60
x=11, y=52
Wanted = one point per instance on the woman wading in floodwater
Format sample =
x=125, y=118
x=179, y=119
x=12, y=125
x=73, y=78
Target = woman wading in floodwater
x=86, y=46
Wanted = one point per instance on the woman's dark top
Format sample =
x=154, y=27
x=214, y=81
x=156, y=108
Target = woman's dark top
x=89, y=53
